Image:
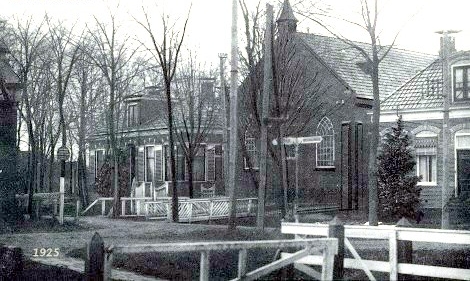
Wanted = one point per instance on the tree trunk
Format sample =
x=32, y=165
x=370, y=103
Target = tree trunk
x=374, y=139
x=174, y=187
x=189, y=164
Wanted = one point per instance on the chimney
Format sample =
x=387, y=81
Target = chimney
x=447, y=43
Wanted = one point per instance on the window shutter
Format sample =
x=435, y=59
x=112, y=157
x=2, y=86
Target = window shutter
x=140, y=164
x=158, y=164
x=91, y=165
x=210, y=163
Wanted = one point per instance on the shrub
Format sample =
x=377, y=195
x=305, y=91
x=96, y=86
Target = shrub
x=397, y=190
x=103, y=183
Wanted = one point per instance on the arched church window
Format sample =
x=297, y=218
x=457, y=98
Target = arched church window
x=326, y=148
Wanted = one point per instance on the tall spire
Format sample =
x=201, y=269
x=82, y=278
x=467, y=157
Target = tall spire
x=287, y=19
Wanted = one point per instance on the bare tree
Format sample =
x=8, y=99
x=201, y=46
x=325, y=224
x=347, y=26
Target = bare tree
x=111, y=55
x=196, y=104
x=87, y=82
x=166, y=54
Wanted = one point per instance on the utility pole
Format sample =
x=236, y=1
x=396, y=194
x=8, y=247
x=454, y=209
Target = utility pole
x=446, y=86
x=233, y=119
x=226, y=118
x=267, y=89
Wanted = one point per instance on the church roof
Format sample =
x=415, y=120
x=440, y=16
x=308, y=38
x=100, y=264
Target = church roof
x=349, y=64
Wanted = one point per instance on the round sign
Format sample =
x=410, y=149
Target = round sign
x=63, y=153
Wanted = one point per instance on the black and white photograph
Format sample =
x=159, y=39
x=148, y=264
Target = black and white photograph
x=235, y=140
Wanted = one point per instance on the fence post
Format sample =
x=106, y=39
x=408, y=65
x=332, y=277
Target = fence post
x=123, y=207
x=11, y=263
x=77, y=209
x=404, y=249
x=94, y=264
x=204, y=267
x=103, y=207
x=336, y=230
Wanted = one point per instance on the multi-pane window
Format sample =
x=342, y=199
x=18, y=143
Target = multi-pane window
x=252, y=153
x=149, y=163
x=461, y=83
x=427, y=168
x=326, y=148
x=132, y=114
x=426, y=157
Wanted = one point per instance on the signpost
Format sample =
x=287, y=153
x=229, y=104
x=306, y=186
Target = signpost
x=62, y=154
x=296, y=142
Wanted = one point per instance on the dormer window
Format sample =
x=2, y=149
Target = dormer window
x=132, y=114
x=461, y=75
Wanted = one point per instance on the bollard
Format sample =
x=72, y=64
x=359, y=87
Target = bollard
x=404, y=249
x=336, y=230
x=94, y=264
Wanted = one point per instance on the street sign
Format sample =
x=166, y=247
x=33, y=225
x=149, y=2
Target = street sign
x=299, y=140
x=63, y=153
x=311, y=139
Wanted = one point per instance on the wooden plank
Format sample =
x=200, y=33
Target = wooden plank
x=307, y=270
x=204, y=268
x=393, y=256
x=304, y=228
x=317, y=243
x=328, y=264
x=453, y=237
x=242, y=254
x=358, y=258
x=434, y=271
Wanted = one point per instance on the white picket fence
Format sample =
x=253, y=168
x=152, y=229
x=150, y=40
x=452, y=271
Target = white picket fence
x=200, y=209
x=189, y=209
x=393, y=235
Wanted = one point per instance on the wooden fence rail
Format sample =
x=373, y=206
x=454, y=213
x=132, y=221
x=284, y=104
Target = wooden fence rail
x=99, y=262
x=400, y=248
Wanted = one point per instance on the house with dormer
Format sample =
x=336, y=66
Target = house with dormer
x=435, y=107
x=333, y=172
x=143, y=136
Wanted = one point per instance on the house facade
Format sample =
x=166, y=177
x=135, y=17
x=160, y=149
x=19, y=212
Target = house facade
x=435, y=107
x=143, y=137
x=333, y=172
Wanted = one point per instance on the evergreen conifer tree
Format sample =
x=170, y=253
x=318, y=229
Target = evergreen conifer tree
x=397, y=190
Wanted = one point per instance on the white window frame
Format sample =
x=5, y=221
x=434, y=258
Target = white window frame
x=464, y=65
x=130, y=119
x=323, y=142
x=146, y=161
x=428, y=157
x=426, y=134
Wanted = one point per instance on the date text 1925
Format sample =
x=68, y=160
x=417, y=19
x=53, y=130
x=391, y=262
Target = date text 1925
x=46, y=252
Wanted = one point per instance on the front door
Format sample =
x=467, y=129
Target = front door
x=463, y=172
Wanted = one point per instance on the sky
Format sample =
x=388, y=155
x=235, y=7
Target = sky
x=210, y=20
